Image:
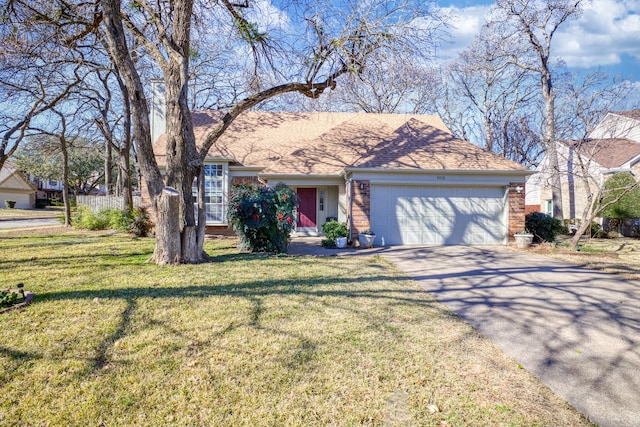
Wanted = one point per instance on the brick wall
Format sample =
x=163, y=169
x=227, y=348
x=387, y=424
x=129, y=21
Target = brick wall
x=531, y=208
x=361, y=207
x=237, y=180
x=516, y=209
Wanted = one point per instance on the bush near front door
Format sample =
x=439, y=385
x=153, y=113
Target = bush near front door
x=262, y=216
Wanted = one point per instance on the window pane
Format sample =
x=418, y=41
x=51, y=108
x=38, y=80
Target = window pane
x=213, y=192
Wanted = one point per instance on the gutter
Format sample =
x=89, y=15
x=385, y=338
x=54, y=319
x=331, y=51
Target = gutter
x=519, y=172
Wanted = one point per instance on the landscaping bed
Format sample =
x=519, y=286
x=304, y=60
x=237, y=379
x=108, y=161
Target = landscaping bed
x=12, y=299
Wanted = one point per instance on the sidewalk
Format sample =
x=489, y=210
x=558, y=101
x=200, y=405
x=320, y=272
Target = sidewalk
x=305, y=245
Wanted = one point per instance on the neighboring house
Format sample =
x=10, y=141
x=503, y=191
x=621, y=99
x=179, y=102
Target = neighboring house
x=48, y=189
x=613, y=146
x=404, y=176
x=15, y=186
x=619, y=124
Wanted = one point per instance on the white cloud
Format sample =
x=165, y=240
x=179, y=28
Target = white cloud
x=607, y=30
x=268, y=16
x=464, y=23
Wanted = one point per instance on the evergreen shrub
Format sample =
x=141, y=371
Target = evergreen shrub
x=544, y=228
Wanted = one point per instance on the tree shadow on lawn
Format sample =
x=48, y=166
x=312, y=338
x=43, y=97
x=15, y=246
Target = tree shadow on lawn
x=253, y=291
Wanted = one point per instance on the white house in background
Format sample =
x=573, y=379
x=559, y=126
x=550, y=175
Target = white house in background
x=620, y=124
x=15, y=186
x=48, y=189
x=613, y=146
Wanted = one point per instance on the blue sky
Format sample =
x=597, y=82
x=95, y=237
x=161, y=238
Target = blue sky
x=606, y=36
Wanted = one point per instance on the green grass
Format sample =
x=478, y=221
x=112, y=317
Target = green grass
x=245, y=340
x=584, y=248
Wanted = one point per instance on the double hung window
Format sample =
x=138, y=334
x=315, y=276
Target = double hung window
x=214, y=193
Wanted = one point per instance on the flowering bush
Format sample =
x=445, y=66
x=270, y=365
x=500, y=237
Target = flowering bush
x=262, y=216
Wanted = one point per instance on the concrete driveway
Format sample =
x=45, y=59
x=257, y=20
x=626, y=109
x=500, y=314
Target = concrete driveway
x=577, y=330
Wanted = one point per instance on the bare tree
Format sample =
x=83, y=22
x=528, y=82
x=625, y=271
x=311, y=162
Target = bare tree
x=114, y=126
x=334, y=51
x=261, y=57
x=525, y=30
x=40, y=66
x=61, y=136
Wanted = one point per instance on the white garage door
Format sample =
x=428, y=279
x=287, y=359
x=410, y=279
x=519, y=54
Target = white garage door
x=23, y=201
x=412, y=215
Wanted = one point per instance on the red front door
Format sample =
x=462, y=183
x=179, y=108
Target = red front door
x=307, y=207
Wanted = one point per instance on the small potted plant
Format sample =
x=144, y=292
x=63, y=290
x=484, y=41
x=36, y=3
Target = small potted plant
x=335, y=234
x=523, y=239
x=366, y=238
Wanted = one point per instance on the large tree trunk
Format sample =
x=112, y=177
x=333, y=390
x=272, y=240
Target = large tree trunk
x=124, y=179
x=124, y=169
x=183, y=160
x=65, y=182
x=108, y=168
x=119, y=53
x=551, y=147
x=167, y=249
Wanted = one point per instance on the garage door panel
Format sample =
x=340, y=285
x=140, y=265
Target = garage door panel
x=438, y=215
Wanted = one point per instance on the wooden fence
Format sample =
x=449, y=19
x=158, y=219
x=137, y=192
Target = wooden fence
x=96, y=203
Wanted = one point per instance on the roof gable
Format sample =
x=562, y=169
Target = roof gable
x=12, y=179
x=619, y=124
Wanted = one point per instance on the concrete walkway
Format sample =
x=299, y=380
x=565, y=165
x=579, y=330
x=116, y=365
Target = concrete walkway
x=578, y=330
x=11, y=224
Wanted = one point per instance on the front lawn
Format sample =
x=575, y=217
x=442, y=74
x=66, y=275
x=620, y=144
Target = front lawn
x=246, y=340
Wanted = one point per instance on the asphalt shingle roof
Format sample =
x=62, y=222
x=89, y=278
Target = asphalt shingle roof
x=326, y=143
x=609, y=153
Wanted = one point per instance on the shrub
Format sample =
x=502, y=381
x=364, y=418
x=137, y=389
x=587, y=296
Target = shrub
x=601, y=234
x=84, y=218
x=104, y=219
x=10, y=204
x=262, y=216
x=141, y=224
x=55, y=201
x=331, y=230
x=622, y=188
x=543, y=227
x=118, y=220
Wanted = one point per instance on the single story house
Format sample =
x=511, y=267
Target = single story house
x=15, y=186
x=406, y=177
x=612, y=146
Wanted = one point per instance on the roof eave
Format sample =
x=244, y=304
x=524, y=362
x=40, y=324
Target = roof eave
x=493, y=172
x=298, y=175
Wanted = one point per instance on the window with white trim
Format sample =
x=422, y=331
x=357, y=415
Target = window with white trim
x=214, y=193
x=548, y=207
